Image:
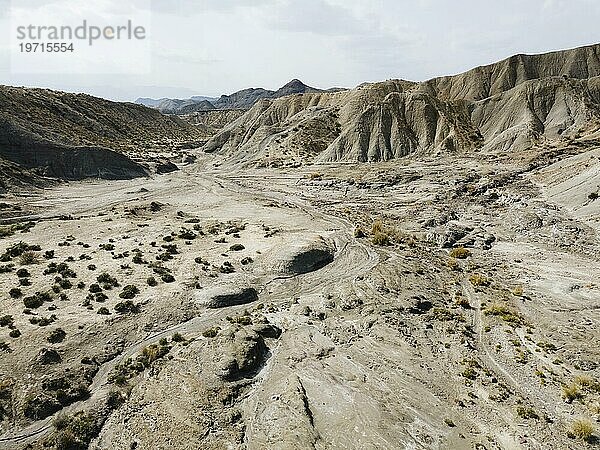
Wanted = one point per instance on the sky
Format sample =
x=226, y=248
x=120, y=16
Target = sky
x=214, y=47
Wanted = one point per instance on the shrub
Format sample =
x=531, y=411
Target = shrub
x=460, y=253
x=14, y=333
x=15, y=293
x=571, y=392
x=95, y=288
x=129, y=291
x=584, y=381
x=582, y=429
x=170, y=249
x=103, y=311
x=167, y=278
x=237, y=248
x=462, y=302
x=6, y=320
x=6, y=268
x=28, y=258
x=57, y=336
x=359, y=233
x=105, y=278
x=65, y=284
x=211, y=332
x=37, y=300
x=126, y=307
x=246, y=261
x=469, y=373
x=187, y=234
x=593, y=196
x=453, y=264
x=518, y=291
x=151, y=281
x=505, y=313
x=527, y=412
x=76, y=431
x=177, y=337
x=152, y=353
x=382, y=239
x=18, y=249
x=479, y=280
x=24, y=282
x=23, y=273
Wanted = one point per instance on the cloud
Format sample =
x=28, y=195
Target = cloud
x=197, y=7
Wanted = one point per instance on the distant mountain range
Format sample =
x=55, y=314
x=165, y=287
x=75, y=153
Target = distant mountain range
x=243, y=99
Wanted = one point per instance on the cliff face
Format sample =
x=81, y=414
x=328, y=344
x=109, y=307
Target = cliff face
x=503, y=107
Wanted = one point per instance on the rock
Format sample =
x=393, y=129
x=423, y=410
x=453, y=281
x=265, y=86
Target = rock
x=267, y=330
x=244, y=355
x=228, y=295
x=419, y=305
x=48, y=356
x=304, y=257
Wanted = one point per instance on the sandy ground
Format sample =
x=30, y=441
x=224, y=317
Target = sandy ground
x=383, y=346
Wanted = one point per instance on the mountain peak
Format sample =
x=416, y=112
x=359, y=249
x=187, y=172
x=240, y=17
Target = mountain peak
x=295, y=83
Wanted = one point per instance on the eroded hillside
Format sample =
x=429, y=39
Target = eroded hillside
x=502, y=108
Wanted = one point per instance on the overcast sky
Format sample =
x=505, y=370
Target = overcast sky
x=212, y=47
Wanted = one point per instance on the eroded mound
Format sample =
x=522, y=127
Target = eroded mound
x=304, y=256
x=224, y=296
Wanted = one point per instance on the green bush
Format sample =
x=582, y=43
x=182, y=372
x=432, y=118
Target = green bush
x=6, y=320
x=129, y=292
x=151, y=281
x=105, y=278
x=14, y=333
x=37, y=300
x=126, y=307
x=167, y=278
x=177, y=337
x=15, y=293
x=23, y=273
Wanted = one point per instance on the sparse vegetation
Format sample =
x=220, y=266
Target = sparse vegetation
x=167, y=278
x=505, y=313
x=571, y=392
x=526, y=412
x=460, y=253
x=29, y=258
x=37, y=300
x=76, y=431
x=582, y=429
x=211, y=332
x=129, y=292
x=479, y=280
x=126, y=307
